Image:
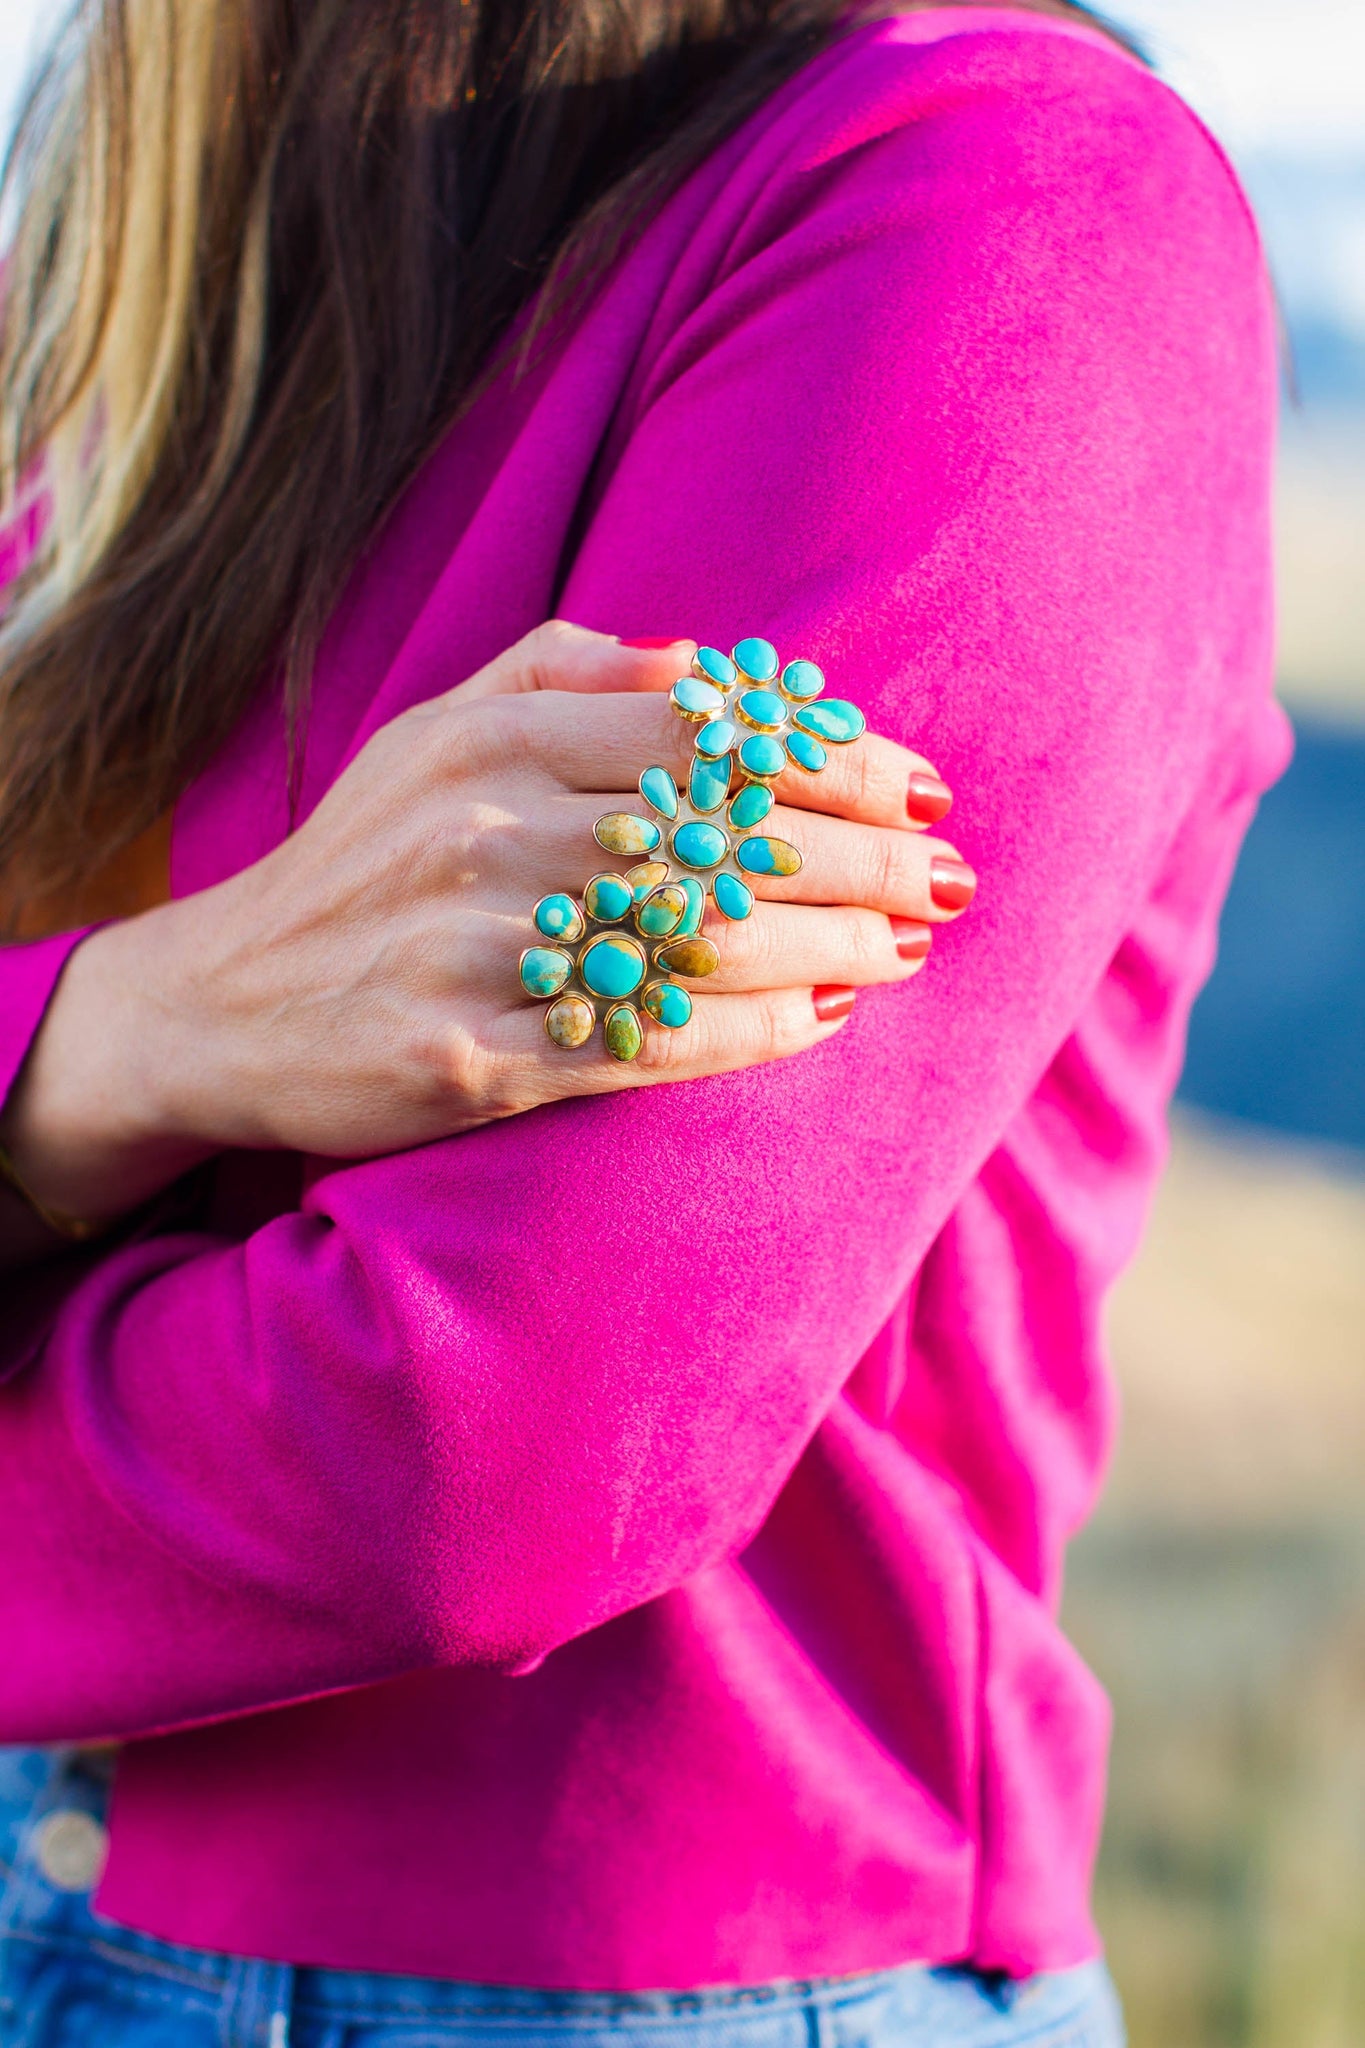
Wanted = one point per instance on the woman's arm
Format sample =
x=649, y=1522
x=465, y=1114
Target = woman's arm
x=990, y=398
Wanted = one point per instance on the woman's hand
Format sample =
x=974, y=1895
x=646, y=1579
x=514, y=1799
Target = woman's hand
x=356, y=991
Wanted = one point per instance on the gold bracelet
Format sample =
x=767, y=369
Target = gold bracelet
x=70, y=1227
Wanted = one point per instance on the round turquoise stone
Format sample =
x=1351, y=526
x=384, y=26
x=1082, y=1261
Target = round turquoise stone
x=558, y=917
x=714, y=666
x=658, y=788
x=607, y=898
x=699, y=846
x=762, y=756
x=763, y=708
x=716, y=739
x=806, y=752
x=544, y=971
x=802, y=680
x=668, y=1005
x=757, y=658
x=612, y=966
x=690, y=921
x=751, y=806
x=708, y=784
x=833, y=720
x=733, y=898
x=696, y=699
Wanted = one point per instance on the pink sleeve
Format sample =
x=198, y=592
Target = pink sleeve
x=976, y=411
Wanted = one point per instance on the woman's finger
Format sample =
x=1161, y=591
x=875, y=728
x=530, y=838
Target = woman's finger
x=799, y=945
x=559, y=656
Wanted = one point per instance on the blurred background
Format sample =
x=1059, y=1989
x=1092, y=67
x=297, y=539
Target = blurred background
x=1220, y=1592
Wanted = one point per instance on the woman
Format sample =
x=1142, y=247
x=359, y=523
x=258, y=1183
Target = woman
x=556, y=1554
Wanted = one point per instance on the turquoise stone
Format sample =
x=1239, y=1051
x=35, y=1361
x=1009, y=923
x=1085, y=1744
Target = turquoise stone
x=696, y=699
x=764, y=709
x=762, y=756
x=622, y=832
x=802, y=680
x=708, y=784
x=668, y=1005
x=734, y=899
x=544, y=971
x=658, y=788
x=612, y=966
x=757, y=659
x=713, y=666
x=607, y=898
x=659, y=916
x=692, y=958
x=696, y=906
x=767, y=857
x=806, y=752
x=833, y=720
x=699, y=846
x=569, y=1022
x=558, y=917
x=622, y=1031
x=717, y=738
x=751, y=806
x=647, y=876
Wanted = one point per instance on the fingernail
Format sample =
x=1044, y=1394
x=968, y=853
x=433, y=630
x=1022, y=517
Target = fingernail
x=952, y=883
x=927, y=799
x=669, y=640
x=912, y=938
x=833, y=1002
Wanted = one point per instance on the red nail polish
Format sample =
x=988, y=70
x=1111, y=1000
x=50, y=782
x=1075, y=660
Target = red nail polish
x=833, y=1002
x=927, y=799
x=648, y=646
x=952, y=884
x=912, y=938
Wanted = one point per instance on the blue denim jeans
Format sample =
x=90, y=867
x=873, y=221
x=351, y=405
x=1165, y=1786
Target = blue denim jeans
x=71, y=1979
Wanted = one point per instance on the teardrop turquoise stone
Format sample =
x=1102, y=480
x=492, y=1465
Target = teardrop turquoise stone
x=717, y=738
x=806, y=752
x=757, y=658
x=733, y=898
x=763, y=708
x=658, y=788
x=690, y=921
x=696, y=699
x=751, y=806
x=699, y=846
x=544, y=971
x=607, y=897
x=612, y=966
x=834, y=720
x=708, y=783
x=558, y=917
x=762, y=756
x=668, y=1005
x=802, y=680
x=714, y=666
x=767, y=857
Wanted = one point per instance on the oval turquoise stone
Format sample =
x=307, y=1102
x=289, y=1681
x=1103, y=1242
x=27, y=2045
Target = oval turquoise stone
x=762, y=756
x=558, y=917
x=622, y=1032
x=623, y=832
x=690, y=921
x=716, y=739
x=659, y=916
x=607, y=897
x=715, y=667
x=699, y=846
x=833, y=720
x=696, y=699
x=733, y=898
x=544, y=971
x=763, y=708
x=612, y=966
x=802, y=680
x=806, y=752
x=757, y=658
x=751, y=806
x=658, y=788
x=767, y=857
x=708, y=783
x=668, y=1005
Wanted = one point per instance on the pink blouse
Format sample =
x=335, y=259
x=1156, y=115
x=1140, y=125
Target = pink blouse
x=621, y=1547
